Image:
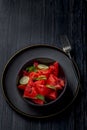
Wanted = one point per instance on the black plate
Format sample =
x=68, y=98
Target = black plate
x=13, y=67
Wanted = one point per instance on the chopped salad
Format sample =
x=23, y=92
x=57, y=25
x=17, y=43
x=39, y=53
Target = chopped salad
x=41, y=83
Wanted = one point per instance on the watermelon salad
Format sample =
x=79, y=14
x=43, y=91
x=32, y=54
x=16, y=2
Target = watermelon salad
x=41, y=83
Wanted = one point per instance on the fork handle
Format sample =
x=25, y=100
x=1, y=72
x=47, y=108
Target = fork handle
x=68, y=53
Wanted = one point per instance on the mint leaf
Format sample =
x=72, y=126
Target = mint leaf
x=41, y=97
x=31, y=68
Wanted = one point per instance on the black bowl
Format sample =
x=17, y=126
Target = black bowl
x=48, y=62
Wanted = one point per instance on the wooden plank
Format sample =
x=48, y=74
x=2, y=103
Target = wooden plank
x=30, y=22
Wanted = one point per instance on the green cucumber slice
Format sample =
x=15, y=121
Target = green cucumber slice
x=42, y=66
x=24, y=80
x=42, y=77
x=51, y=87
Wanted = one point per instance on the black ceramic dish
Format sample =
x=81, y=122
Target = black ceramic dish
x=47, y=62
x=13, y=67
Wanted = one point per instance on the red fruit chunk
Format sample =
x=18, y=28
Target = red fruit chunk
x=25, y=73
x=39, y=82
x=35, y=64
x=38, y=101
x=30, y=83
x=52, y=80
x=44, y=72
x=51, y=68
x=62, y=83
x=58, y=87
x=56, y=68
x=30, y=92
x=42, y=89
x=22, y=87
x=52, y=95
x=33, y=75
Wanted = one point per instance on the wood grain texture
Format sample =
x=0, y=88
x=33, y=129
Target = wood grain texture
x=30, y=22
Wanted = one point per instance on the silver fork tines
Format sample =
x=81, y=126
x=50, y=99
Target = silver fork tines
x=65, y=44
x=66, y=48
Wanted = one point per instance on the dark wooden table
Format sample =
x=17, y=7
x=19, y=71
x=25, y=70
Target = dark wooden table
x=29, y=22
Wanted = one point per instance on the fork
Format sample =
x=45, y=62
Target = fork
x=67, y=48
x=66, y=44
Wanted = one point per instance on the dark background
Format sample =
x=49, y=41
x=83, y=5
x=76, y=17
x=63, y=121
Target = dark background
x=30, y=22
